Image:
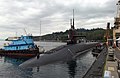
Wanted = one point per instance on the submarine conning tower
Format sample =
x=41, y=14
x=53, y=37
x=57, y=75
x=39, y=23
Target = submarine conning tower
x=72, y=32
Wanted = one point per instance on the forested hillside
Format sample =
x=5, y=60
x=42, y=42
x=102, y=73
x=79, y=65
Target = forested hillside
x=93, y=34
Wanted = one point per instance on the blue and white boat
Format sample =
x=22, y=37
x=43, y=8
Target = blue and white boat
x=21, y=47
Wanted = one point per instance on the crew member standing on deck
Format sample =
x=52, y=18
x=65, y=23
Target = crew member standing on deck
x=118, y=42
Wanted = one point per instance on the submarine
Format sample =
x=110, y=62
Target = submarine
x=66, y=52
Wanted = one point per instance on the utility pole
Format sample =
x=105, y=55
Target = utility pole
x=16, y=34
x=40, y=31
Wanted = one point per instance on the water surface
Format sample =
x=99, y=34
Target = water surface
x=75, y=69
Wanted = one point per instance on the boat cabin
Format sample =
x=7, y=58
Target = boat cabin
x=23, y=43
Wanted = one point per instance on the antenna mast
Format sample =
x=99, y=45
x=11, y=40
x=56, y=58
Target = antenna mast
x=71, y=23
x=25, y=31
x=73, y=20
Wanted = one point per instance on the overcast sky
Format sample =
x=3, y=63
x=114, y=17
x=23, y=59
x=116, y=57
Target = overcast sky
x=15, y=15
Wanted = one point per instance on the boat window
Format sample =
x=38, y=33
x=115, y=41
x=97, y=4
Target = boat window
x=17, y=47
x=30, y=37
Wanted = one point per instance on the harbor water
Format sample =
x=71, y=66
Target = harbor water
x=9, y=67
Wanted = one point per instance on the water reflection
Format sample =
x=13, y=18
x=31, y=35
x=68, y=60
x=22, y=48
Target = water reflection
x=72, y=68
x=10, y=68
x=38, y=68
x=14, y=61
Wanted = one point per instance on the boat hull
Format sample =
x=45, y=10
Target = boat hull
x=19, y=53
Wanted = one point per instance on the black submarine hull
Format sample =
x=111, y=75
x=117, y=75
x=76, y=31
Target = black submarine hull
x=62, y=53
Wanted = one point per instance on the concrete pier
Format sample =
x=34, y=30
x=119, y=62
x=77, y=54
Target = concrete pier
x=111, y=70
x=105, y=65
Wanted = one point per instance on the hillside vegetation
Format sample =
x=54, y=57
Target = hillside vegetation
x=93, y=34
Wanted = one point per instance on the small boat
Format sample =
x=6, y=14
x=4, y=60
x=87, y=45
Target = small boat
x=97, y=50
x=23, y=47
